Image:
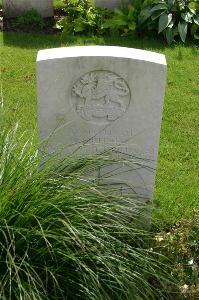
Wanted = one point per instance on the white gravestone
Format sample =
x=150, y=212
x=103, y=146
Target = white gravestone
x=105, y=97
x=13, y=8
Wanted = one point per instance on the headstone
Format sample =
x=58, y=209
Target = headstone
x=13, y=8
x=105, y=97
x=109, y=3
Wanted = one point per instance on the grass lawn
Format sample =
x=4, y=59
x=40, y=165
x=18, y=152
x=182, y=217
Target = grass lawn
x=177, y=183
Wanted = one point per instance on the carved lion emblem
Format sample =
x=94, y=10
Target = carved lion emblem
x=101, y=96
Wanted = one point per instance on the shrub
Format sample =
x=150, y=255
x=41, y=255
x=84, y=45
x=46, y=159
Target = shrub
x=125, y=19
x=58, y=5
x=30, y=18
x=172, y=18
x=65, y=236
x=82, y=17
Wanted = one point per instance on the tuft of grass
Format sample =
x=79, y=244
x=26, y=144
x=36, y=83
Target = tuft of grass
x=65, y=236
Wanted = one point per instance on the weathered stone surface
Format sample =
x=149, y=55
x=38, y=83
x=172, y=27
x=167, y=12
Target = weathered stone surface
x=13, y=8
x=104, y=97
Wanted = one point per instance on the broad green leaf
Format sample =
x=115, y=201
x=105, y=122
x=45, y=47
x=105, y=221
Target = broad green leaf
x=144, y=15
x=169, y=35
x=171, y=3
x=193, y=6
x=131, y=12
x=159, y=7
x=159, y=2
x=156, y=15
x=196, y=19
x=171, y=24
x=164, y=21
x=193, y=11
x=182, y=29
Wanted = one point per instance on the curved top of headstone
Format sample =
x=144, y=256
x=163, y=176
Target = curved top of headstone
x=101, y=51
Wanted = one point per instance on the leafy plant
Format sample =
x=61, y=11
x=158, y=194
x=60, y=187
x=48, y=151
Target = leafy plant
x=30, y=18
x=172, y=17
x=58, y=5
x=64, y=235
x=82, y=17
x=125, y=19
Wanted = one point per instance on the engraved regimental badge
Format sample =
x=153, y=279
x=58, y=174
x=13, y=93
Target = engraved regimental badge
x=101, y=96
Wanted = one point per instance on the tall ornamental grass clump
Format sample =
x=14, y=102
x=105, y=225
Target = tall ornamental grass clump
x=65, y=236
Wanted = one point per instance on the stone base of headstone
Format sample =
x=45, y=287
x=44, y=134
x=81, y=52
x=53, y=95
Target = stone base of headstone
x=13, y=8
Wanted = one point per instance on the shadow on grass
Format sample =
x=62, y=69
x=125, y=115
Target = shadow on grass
x=30, y=40
x=40, y=41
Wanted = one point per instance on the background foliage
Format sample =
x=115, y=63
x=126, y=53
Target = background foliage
x=172, y=18
x=83, y=17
